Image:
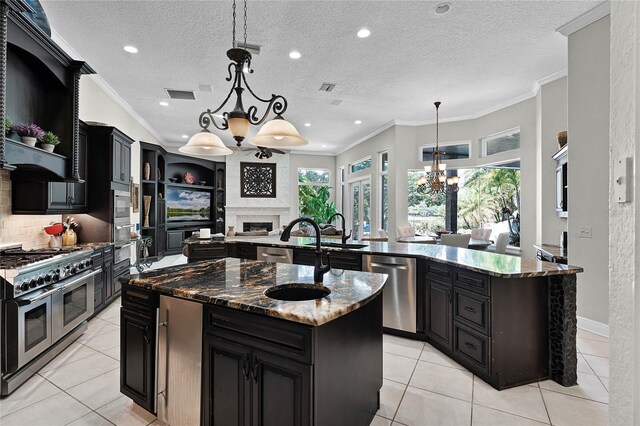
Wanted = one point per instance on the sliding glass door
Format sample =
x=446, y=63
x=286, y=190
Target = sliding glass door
x=360, y=208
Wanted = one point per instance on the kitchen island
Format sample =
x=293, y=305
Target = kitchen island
x=254, y=359
x=509, y=320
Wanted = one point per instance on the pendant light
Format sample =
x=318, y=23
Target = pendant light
x=435, y=178
x=205, y=143
x=278, y=132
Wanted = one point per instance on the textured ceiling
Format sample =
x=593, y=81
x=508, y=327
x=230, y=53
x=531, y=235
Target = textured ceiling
x=479, y=55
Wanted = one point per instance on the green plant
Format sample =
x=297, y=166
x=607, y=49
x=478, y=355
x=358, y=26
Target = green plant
x=7, y=126
x=50, y=138
x=314, y=203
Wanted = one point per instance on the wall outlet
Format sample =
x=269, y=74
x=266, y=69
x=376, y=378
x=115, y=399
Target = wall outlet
x=584, y=232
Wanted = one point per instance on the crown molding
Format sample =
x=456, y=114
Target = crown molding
x=548, y=79
x=376, y=132
x=107, y=88
x=587, y=18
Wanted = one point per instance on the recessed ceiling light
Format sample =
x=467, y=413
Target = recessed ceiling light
x=307, y=124
x=364, y=33
x=163, y=103
x=358, y=121
x=185, y=136
x=130, y=49
x=324, y=146
x=294, y=54
x=442, y=8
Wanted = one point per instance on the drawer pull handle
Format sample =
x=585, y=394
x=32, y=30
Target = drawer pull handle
x=470, y=346
x=470, y=309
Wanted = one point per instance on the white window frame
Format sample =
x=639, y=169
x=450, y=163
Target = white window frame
x=328, y=184
x=484, y=141
x=342, y=184
x=351, y=172
x=467, y=142
x=381, y=174
x=361, y=181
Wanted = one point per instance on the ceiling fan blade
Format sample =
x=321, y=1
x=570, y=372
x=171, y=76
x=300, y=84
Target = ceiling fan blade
x=277, y=151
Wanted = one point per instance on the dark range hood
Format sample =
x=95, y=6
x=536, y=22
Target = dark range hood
x=40, y=83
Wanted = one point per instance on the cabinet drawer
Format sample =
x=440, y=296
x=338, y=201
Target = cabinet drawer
x=246, y=251
x=471, y=309
x=478, y=283
x=306, y=257
x=108, y=253
x=439, y=272
x=97, y=258
x=278, y=337
x=139, y=299
x=206, y=251
x=471, y=346
x=349, y=261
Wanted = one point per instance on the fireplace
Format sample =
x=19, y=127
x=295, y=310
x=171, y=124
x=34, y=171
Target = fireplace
x=257, y=226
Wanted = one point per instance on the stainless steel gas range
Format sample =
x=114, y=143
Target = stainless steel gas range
x=46, y=297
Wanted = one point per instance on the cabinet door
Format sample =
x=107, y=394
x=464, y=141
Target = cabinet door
x=281, y=391
x=116, y=161
x=107, y=280
x=161, y=241
x=439, y=313
x=125, y=168
x=174, y=240
x=225, y=383
x=137, y=358
x=58, y=196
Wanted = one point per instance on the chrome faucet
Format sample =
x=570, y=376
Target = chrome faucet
x=344, y=236
x=320, y=269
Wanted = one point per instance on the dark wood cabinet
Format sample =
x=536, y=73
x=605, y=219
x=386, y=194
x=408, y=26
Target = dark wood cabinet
x=138, y=346
x=111, y=150
x=41, y=197
x=104, y=294
x=174, y=240
x=138, y=357
x=121, y=160
x=198, y=252
x=439, y=325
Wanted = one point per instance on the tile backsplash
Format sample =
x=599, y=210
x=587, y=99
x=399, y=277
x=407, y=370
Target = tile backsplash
x=25, y=229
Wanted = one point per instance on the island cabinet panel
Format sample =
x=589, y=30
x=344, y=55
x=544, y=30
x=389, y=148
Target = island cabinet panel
x=338, y=260
x=138, y=346
x=198, y=252
x=497, y=328
x=243, y=251
x=267, y=371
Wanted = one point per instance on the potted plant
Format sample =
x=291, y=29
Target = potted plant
x=29, y=133
x=49, y=141
x=7, y=126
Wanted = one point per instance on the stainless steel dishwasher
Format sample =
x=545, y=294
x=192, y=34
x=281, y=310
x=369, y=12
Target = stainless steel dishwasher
x=179, y=361
x=275, y=254
x=399, y=292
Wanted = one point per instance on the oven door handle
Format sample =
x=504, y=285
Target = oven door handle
x=123, y=226
x=124, y=245
x=57, y=289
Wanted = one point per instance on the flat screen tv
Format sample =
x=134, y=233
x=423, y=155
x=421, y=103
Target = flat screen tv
x=188, y=204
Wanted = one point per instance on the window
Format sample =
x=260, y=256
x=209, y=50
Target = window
x=452, y=151
x=384, y=190
x=502, y=142
x=342, y=205
x=426, y=212
x=314, y=193
x=361, y=165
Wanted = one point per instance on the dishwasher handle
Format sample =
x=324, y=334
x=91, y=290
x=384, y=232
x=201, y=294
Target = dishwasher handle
x=388, y=265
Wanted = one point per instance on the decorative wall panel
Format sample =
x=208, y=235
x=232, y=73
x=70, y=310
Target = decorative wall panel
x=258, y=180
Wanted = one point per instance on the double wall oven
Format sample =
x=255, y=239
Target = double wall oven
x=122, y=226
x=45, y=304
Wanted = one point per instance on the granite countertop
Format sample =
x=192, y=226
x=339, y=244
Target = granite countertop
x=92, y=246
x=240, y=284
x=497, y=265
x=553, y=250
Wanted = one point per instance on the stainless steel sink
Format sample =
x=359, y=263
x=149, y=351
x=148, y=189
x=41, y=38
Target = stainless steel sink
x=297, y=292
x=339, y=245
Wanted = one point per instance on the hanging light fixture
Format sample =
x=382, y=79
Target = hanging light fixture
x=435, y=178
x=277, y=133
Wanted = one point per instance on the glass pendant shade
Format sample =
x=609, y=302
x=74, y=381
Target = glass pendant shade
x=278, y=133
x=238, y=127
x=205, y=143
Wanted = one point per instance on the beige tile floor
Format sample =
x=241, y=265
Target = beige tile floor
x=421, y=387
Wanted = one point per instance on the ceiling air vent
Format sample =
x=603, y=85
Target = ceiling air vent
x=327, y=87
x=254, y=49
x=336, y=102
x=181, y=94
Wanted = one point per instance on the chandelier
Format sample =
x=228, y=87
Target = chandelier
x=435, y=178
x=277, y=133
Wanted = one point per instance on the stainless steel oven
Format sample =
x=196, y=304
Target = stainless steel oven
x=121, y=205
x=34, y=322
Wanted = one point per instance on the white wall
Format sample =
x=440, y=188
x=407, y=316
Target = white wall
x=624, y=226
x=551, y=118
x=588, y=133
